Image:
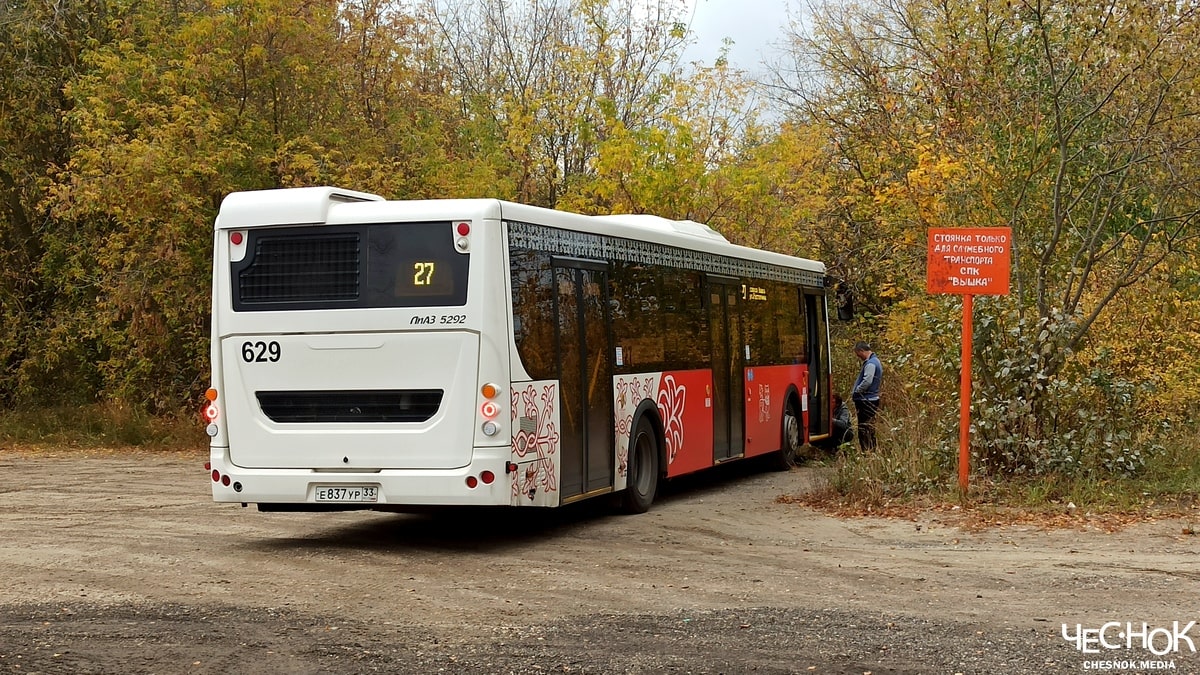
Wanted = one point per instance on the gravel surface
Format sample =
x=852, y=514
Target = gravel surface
x=214, y=639
x=122, y=564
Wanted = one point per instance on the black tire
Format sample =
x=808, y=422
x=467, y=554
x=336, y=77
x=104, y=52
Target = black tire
x=792, y=440
x=643, y=469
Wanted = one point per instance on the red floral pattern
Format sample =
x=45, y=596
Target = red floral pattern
x=542, y=442
x=672, y=399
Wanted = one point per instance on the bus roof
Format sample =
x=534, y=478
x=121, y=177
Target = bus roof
x=299, y=206
x=292, y=206
x=685, y=227
x=685, y=234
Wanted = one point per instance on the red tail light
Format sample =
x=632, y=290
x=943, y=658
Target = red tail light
x=210, y=410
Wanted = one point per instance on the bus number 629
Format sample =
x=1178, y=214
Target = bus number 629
x=261, y=352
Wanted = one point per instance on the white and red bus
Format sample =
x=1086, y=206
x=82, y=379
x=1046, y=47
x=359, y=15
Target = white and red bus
x=382, y=354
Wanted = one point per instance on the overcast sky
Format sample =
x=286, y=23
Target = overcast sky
x=753, y=25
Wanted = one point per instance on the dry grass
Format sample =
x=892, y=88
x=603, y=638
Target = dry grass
x=974, y=515
x=908, y=475
x=97, y=428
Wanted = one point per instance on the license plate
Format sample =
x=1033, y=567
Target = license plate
x=347, y=493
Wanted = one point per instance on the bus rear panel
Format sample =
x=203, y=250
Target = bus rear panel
x=348, y=354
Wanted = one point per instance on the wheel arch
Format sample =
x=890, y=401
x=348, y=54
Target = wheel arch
x=648, y=410
x=791, y=397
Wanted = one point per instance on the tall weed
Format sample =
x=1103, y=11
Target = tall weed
x=99, y=425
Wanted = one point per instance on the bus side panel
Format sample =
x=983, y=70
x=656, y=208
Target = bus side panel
x=684, y=402
x=765, y=388
x=536, y=444
x=628, y=393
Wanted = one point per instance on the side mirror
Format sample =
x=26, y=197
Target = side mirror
x=845, y=301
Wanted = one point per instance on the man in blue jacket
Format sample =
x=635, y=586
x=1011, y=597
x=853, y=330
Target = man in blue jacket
x=866, y=395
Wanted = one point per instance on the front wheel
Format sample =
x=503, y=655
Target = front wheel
x=790, y=452
x=643, y=469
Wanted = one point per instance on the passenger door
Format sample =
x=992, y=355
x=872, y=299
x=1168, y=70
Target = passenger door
x=582, y=348
x=818, y=365
x=724, y=319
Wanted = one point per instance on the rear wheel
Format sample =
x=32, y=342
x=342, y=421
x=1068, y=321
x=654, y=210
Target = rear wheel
x=643, y=469
x=789, y=455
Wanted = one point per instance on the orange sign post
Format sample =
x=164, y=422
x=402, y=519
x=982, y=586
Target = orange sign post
x=968, y=261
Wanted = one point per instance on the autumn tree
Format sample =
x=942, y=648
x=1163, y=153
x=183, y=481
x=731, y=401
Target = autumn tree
x=1073, y=123
x=547, y=82
x=127, y=123
x=672, y=165
x=190, y=102
x=41, y=44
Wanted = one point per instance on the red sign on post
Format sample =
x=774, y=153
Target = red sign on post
x=969, y=260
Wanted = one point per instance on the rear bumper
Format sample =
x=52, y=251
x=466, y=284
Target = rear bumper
x=397, y=487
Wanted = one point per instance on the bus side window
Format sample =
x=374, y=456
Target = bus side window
x=685, y=327
x=636, y=317
x=533, y=312
x=789, y=314
x=761, y=322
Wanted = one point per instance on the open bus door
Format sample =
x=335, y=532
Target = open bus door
x=819, y=396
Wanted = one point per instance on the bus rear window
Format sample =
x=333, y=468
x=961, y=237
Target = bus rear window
x=383, y=265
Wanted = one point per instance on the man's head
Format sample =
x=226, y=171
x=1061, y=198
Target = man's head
x=862, y=350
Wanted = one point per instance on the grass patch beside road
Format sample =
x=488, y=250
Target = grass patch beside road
x=101, y=425
x=907, y=467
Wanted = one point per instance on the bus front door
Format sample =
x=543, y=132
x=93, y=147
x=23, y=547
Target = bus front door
x=724, y=318
x=585, y=377
x=819, y=396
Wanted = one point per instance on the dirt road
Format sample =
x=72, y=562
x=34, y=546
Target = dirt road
x=123, y=565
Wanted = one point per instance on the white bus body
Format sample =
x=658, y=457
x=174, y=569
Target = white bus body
x=350, y=370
